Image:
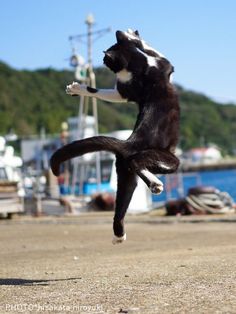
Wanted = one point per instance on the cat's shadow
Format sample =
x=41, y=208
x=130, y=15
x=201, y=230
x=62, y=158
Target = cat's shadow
x=32, y=282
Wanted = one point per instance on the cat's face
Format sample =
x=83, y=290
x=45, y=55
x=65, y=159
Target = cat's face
x=116, y=58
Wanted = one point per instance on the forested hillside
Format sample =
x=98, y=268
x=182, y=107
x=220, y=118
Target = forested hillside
x=30, y=100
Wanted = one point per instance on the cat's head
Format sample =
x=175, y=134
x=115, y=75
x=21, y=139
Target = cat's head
x=133, y=54
x=123, y=54
x=153, y=57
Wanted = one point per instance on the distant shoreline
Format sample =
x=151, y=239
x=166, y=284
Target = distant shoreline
x=187, y=166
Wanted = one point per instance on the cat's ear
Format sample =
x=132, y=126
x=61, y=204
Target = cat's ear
x=137, y=33
x=120, y=37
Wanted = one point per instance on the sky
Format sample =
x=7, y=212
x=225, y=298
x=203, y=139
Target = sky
x=197, y=36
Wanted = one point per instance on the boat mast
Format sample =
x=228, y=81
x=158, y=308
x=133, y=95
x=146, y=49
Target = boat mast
x=90, y=80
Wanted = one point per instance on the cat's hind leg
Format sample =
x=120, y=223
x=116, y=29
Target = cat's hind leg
x=148, y=162
x=126, y=184
x=155, y=185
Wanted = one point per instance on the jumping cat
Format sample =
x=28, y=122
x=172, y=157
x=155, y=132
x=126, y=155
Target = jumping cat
x=143, y=76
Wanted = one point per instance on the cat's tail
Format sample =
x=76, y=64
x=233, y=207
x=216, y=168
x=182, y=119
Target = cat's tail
x=81, y=147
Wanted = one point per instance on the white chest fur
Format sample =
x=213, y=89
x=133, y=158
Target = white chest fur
x=124, y=76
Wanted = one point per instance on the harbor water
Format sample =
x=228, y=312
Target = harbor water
x=177, y=185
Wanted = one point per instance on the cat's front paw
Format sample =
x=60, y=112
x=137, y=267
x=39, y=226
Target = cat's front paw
x=73, y=89
x=118, y=240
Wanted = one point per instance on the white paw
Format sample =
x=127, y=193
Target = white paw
x=156, y=188
x=155, y=185
x=118, y=240
x=73, y=89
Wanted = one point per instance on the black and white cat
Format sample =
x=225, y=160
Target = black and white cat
x=143, y=76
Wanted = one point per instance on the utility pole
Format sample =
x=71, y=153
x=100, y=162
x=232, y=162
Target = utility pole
x=91, y=81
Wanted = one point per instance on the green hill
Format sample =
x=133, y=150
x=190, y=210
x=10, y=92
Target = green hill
x=30, y=100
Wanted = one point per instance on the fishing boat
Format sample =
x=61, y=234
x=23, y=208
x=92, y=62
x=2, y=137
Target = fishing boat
x=11, y=191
